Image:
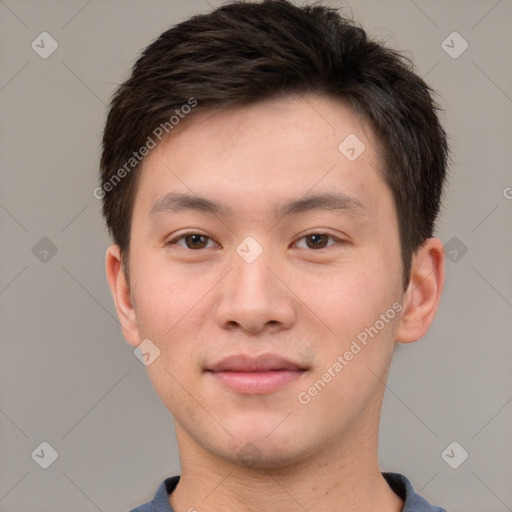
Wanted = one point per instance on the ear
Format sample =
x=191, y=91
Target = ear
x=424, y=291
x=122, y=295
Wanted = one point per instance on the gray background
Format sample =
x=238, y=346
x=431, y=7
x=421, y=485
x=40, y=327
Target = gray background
x=66, y=375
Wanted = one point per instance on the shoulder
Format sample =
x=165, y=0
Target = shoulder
x=413, y=502
x=160, y=502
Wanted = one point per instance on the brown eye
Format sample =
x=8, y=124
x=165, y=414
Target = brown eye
x=316, y=241
x=193, y=241
x=196, y=241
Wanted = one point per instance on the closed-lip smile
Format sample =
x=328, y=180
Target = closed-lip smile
x=255, y=375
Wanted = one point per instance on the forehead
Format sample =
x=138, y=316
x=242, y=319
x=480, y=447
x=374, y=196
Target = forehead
x=273, y=150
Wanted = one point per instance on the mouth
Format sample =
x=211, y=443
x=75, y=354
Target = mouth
x=255, y=375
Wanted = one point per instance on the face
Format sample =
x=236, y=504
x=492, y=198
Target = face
x=265, y=266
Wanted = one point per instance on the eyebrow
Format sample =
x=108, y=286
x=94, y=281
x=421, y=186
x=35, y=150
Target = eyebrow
x=329, y=201
x=175, y=203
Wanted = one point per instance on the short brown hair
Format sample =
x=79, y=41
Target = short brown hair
x=245, y=52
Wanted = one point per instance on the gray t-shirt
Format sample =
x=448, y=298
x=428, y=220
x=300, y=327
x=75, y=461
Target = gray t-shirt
x=401, y=486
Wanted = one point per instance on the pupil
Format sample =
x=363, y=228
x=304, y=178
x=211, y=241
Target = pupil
x=195, y=240
x=317, y=240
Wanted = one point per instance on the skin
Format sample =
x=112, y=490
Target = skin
x=296, y=300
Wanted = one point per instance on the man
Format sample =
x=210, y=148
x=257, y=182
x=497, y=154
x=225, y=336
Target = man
x=271, y=179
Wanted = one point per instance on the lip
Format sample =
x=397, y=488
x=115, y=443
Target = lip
x=255, y=375
x=262, y=363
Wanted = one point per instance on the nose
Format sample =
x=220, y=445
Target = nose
x=252, y=298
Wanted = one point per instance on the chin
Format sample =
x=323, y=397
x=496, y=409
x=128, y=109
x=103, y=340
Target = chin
x=260, y=452
x=259, y=455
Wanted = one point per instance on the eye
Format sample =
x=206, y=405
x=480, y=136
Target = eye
x=316, y=241
x=193, y=241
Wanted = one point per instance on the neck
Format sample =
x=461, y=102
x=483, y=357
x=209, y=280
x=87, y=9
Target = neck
x=344, y=477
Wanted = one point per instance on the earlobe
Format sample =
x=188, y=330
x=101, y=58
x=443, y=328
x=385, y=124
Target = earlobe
x=424, y=292
x=121, y=294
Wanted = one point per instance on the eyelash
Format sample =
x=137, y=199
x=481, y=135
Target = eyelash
x=191, y=233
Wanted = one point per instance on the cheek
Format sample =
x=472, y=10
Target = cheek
x=350, y=296
x=172, y=310
x=351, y=364
x=165, y=296
x=357, y=308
